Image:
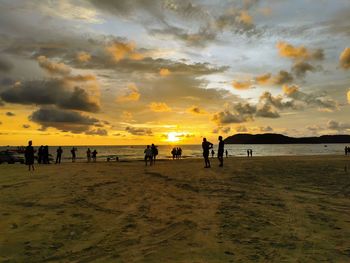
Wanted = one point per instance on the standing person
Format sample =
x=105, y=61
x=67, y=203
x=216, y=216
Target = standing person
x=180, y=153
x=248, y=152
x=154, y=153
x=94, y=155
x=73, y=154
x=346, y=150
x=29, y=156
x=212, y=153
x=40, y=154
x=148, y=155
x=59, y=155
x=226, y=152
x=221, y=151
x=206, y=146
x=88, y=155
x=173, y=152
x=251, y=152
x=46, y=154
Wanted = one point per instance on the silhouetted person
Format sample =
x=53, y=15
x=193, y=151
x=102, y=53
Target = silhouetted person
x=148, y=155
x=226, y=152
x=180, y=153
x=46, y=154
x=248, y=153
x=251, y=153
x=73, y=154
x=29, y=156
x=154, y=153
x=206, y=146
x=221, y=151
x=346, y=149
x=94, y=155
x=59, y=154
x=88, y=155
x=212, y=153
x=40, y=154
x=173, y=153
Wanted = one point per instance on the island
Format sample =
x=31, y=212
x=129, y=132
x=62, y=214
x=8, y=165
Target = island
x=274, y=138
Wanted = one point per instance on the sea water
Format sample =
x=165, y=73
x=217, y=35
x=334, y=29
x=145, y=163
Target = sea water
x=136, y=152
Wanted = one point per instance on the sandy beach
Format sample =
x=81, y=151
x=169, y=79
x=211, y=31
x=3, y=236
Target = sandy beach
x=263, y=209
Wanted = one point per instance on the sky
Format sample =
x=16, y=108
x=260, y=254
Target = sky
x=104, y=72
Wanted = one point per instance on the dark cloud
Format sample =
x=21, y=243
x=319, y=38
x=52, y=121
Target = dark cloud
x=265, y=129
x=301, y=68
x=139, y=131
x=338, y=126
x=50, y=92
x=5, y=65
x=99, y=132
x=10, y=114
x=283, y=77
x=63, y=120
x=26, y=126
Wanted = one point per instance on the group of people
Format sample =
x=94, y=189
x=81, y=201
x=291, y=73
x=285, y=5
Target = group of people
x=249, y=152
x=347, y=150
x=213, y=153
x=151, y=153
x=206, y=146
x=43, y=154
x=176, y=152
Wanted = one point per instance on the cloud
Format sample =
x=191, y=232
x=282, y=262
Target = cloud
x=51, y=92
x=196, y=110
x=344, y=59
x=265, y=129
x=164, y=72
x=99, y=132
x=283, y=77
x=53, y=67
x=321, y=101
x=348, y=96
x=80, y=78
x=338, y=126
x=83, y=56
x=10, y=114
x=300, y=68
x=263, y=79
x=159, y=107
x=63, y=120
x=132, y=94
x=139, y=131
x=26, y=126
x=241, y=85
x=241, y=129
x=5, y=65
x=121, y=50
x=299, y=53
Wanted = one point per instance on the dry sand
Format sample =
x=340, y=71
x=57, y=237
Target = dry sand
x=264, y=209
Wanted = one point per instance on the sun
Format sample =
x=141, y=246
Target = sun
x=173, y=137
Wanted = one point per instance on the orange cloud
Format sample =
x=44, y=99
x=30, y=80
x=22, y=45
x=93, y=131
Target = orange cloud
x=263, y=79
x=83, y=56
x=121, y=51
x=289, y=90
x=298, y=53
x=164, y=72
x=81, y=78
x=159, y=107
x=245, y=17
x=241, y=85
x=348, y=96
x=53, y=67
x=132, y=94
x=344, y=59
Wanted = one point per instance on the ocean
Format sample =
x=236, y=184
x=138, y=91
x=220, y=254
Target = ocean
x=194, y=151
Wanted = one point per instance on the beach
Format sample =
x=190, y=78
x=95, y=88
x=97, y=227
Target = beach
x=260, y=209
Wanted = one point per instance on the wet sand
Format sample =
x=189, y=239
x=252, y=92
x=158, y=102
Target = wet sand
x=263, y=209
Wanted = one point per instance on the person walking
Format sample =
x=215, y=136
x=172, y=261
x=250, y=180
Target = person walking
x=154, y=153
x=59, y=154
x=221, y=151
x=94, y=156
x=29, y=156
x=206, y=146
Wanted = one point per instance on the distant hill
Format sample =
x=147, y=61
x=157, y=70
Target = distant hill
x=274, y=138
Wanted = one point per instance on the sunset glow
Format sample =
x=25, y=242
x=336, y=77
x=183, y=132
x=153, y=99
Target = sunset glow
x=126, y=72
